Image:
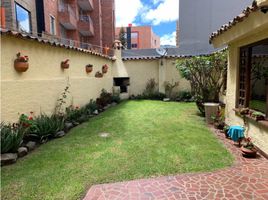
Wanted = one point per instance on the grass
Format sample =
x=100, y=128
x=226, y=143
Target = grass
x=148, y=139
x=258, y=105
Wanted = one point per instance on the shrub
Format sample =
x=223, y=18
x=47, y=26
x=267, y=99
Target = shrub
x=185, y=96
x=150, y=88
x=91, y=106
x=169, y=87
x=11, y=137
x=44, y=126
x=205, y=74
x=116, y=98
x=104, y=99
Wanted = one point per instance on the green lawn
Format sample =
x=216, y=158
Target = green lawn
x=148, y=139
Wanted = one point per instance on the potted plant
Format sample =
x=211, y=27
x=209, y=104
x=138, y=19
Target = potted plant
x=98, y=74
x=248, y=149
x=65, y=64
x=105, y=69
x=258, y=116
x=21, y=63
x=89, y=68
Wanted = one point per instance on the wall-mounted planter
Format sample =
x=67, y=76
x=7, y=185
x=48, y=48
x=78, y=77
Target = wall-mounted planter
x=65, y=64
x=21, y=63
x=105, y=69
x=98, y=74
x=89, y=68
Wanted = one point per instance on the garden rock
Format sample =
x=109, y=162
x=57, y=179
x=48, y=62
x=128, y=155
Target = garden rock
x=8, y=158
x=166, y=99
x=68, y=126
x=76, y=123
x=31, y=145
x=59, y=134
x=113, y=104
x=22, y=151
x=96, y=112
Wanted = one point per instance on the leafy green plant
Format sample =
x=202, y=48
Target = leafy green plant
x=62, y=100
x=169, y=87
x=11, y=137
x=104, y=99
x=184, y=96
x=91, y=106
x=73, y=114
x=45, y=126
x=150, y=88
x=205, y=74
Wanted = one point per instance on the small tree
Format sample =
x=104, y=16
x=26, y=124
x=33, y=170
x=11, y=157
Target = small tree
x=205, y=74
x=122, y=37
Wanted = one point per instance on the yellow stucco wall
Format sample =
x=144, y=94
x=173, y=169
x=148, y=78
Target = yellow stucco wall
x=258, y=132
x=140, y=71
x=38, y=88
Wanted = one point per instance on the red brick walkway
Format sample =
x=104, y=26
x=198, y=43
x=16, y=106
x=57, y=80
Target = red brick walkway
x=246, y=179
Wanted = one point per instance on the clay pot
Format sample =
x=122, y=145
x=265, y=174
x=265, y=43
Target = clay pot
x=89, y=69
x=21, y=66
x=104, y=69
x=64, y=65
x=251, y=153
x=98, y=75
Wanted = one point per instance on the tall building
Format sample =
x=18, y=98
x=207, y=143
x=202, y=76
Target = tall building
x=198, y=19
x=142, y=37
x=81, y=23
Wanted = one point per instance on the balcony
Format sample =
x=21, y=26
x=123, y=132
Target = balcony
x=85, y=25
x=86, y=5
x=67, y=17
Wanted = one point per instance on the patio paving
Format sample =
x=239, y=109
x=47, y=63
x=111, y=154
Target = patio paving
x=246, y=179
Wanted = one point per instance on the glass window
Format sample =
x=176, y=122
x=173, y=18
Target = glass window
x=134, y=35
x=52, y=25
x=23, y=18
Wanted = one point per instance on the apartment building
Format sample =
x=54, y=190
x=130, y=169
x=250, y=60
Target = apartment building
x=198, y=19
x=81, y=23
x=142, y=37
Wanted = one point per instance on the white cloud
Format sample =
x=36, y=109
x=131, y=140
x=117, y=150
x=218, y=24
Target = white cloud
x=127, y=11
x=167, y=11
x=168, y=39
x=157, y=1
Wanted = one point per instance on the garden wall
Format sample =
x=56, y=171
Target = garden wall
x=141, y=70
x=39, y=88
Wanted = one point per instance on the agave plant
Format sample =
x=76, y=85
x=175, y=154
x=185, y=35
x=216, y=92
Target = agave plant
x=11, y=137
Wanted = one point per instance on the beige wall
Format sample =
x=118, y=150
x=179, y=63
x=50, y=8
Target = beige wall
x=39, y=87
x=258, y=132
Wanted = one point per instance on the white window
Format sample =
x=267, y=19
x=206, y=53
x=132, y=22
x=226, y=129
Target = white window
x=52, y=25
x=23, y=19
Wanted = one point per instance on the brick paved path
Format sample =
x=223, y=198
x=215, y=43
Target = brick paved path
x=246, y=179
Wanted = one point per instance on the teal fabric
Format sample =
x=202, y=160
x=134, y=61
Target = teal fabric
x=236, y=132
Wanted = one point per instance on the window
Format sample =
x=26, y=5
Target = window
x=253, y=77
x=23, y=19
x=134, y=35
x=52, y=25
x=134, y=46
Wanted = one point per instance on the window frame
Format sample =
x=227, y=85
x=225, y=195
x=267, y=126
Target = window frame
x=29, y=14
x=50, y=25
x=248, y=65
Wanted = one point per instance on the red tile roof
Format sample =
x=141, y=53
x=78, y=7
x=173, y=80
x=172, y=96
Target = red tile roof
x=253, y=8
x=52, y=43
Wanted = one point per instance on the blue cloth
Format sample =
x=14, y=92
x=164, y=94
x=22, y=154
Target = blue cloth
x=236, y=132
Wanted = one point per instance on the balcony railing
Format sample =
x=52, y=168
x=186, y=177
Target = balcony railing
x=67, y=16
x=86, y=5
x=85, y=25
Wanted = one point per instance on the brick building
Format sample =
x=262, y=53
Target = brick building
x=82, y=23
x=142, y=37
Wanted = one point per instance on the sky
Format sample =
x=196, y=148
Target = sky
x=160, y=14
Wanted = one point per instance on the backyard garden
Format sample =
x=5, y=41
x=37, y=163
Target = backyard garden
x=143, y=138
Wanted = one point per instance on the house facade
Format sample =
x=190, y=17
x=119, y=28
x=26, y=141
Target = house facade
x=247, y=83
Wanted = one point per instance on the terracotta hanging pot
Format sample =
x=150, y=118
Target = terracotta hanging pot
x=98, y=74
x=21, y=63
x=104, y=69
x=65, y=64
x=21, y=66
x=89, y=68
